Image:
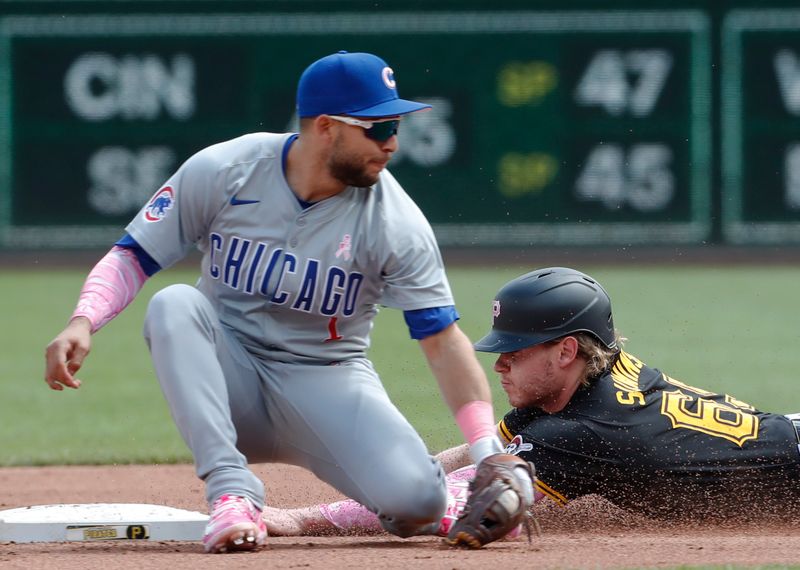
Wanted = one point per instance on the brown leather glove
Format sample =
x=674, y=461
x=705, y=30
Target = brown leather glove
x=497, y=503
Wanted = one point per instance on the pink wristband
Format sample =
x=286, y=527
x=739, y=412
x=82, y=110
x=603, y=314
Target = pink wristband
x=476, y=420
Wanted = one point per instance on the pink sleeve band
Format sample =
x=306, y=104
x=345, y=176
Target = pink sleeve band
x=348, y=515
x=476, y=420
x=110, y=287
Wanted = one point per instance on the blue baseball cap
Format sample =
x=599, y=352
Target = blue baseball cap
x=356, y=84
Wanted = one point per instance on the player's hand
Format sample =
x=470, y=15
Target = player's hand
x=65, y=354
x=282, y=522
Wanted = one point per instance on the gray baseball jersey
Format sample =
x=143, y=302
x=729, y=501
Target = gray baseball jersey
x=293, y=284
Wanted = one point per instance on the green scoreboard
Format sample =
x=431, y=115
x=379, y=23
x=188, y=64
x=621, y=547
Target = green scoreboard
x=589, y=127
x=761, y=126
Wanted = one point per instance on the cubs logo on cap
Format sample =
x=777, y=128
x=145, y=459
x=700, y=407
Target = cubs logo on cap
x=158, y=205
x=356, y=84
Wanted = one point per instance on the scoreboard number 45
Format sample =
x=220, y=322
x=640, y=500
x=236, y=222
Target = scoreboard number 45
x=640, y=177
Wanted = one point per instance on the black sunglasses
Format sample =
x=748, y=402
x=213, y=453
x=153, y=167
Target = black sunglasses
x=380, y=131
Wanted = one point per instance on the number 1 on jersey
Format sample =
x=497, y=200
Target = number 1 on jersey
x=333, y=333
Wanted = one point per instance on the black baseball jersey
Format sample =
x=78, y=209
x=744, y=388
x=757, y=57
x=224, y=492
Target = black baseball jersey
x=646, y=441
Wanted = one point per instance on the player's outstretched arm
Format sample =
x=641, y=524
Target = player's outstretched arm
x=464, y=388
x=340, y=517
x=454, y=458
x=349, y=517
x=65, y=354
x=109, y=288
x=305, y=521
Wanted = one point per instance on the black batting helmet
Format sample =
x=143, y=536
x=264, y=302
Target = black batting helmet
x=547, y=304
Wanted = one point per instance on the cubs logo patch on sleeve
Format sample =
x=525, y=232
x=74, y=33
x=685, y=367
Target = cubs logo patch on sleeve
x=158, y=205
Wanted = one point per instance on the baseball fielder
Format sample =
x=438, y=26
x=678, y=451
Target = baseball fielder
x=597, y=420
x=302, y=237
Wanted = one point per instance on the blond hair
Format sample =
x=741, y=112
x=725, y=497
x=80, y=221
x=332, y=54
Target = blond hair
x=597, y=355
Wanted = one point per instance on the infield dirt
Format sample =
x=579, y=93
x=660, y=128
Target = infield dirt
x=589, y=533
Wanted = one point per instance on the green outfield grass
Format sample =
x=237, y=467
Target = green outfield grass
x=733, y=330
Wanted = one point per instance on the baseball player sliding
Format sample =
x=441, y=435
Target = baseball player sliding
x=596, y=420
x=302, y=236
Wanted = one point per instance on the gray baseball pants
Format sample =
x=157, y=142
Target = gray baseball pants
x=233, y=408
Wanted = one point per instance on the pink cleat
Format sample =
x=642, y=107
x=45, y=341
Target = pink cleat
x=235, y=524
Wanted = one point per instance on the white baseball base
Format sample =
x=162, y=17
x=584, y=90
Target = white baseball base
x=100, y=521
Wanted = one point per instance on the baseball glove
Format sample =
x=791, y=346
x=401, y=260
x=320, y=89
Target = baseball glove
x=496, y=504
